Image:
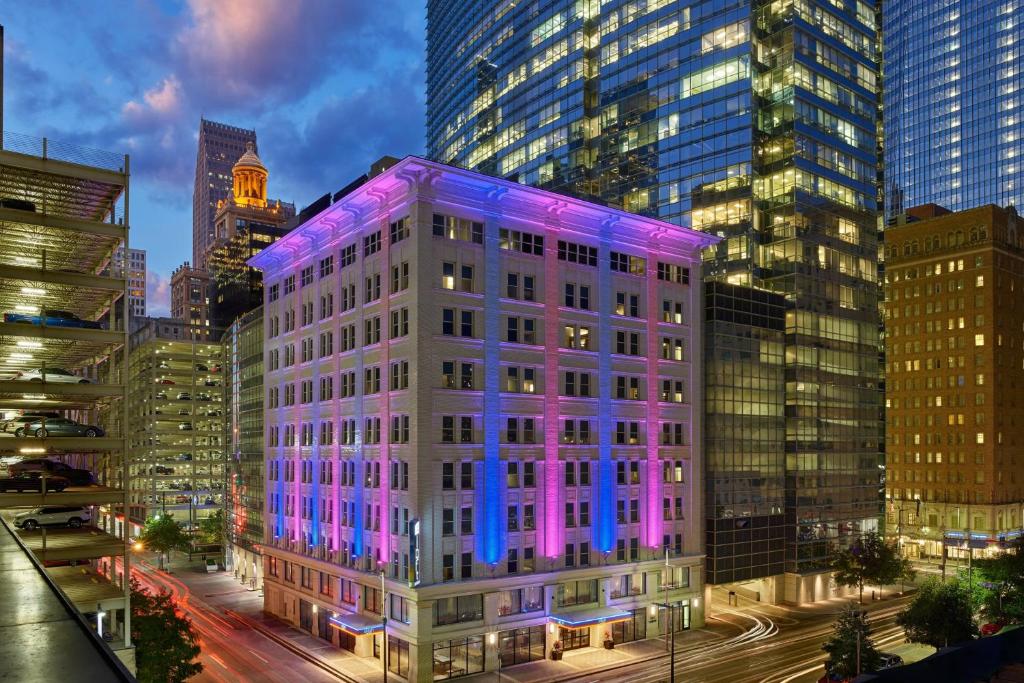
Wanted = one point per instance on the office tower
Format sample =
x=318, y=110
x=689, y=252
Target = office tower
x=955, y=479
x=136, y=268
x=220, y=146
x=190, y=300
x=745, y=436
x=175, y=421
x=954, y=132
x=490, y=395
x=243, y=422
x=246, y=222
x=63, y=213
x=751, y=120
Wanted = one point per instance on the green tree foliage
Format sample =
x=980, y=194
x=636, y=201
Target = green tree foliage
x=1001, y=580
x=869, y=560
x=166, y=643
x=842, y=646
x=161, y=534
x=940, y=614
x=212, y=528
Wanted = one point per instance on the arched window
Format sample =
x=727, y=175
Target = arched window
x=906, y=248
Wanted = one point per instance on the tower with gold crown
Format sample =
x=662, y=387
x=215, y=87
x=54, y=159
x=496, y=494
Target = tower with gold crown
x=245, y=224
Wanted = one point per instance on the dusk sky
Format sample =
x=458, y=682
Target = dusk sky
x=328, y=85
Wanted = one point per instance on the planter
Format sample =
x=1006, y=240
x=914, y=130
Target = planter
x=556, y=655
x=609, y=644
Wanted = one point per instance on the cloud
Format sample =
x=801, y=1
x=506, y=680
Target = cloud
x=158, y=294
x=162, y=101
x=347, y=133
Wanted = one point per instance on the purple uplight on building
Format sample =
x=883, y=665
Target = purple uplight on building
x=493, y=394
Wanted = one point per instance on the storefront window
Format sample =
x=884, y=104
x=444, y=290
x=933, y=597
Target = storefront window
x=398, y=656
x=632, y=629
x=521, y=645
x=574, y=638
x=460, y=657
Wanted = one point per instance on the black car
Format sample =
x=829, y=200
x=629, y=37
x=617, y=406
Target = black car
x=77, y=477
x=31, y=481
x=19, y=204
x=57, y=426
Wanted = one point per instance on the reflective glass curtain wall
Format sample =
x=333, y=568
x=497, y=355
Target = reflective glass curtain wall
x=954, y=128
x=754, y=120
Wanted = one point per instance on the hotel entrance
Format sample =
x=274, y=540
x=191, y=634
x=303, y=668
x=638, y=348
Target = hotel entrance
x=574, y=638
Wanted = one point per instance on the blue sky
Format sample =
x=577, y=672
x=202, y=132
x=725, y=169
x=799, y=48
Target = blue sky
x=329, y=86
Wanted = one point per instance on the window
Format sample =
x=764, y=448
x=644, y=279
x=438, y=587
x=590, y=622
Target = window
x=466, y=280
x=460, y=657
x=576, y=337
x=671, y=312
x=326, y=266
x=274, y=292
x=371, y=244
x=627, y=304
x=624, y=263
x=577, y=593
x=400, y=277
x=399, y=230
x=448, y=321
x=627, y=343
x=306, y=276
x=466, y=324
x=460, y=229
x=524, y=242
x=673, y=273
x=348, y=256
x=466, y=475
x=399, y=323
x=577, y=253
x=289, y=284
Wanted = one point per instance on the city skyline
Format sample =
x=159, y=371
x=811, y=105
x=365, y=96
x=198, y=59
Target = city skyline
x=303, y=101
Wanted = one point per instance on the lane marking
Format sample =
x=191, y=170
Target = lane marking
x=257, y=656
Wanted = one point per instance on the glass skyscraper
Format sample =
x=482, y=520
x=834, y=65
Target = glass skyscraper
x=954, y=90
x=753, y=120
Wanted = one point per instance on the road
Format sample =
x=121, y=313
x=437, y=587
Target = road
x=787, y=650
x=231, y=650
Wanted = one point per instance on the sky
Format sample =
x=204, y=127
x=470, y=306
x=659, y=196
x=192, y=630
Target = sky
x=328, y=85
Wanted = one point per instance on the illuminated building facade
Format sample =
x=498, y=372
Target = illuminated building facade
x=243, y=403
x=745, y=435
x=954, y=316
x=220, y=146
x=954, y=132
x=492, y=394
x=748, y=119
x=245, y=224
x=175, y=422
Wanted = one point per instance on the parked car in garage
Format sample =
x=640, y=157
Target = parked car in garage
x=77, y=477
x=52, y=318
x=58, y=426
x=53, y=515
x=32, y=481
x=54, y=375
x=15, y=422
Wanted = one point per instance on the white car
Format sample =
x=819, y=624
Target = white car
x=53, y=375
x=60, y=515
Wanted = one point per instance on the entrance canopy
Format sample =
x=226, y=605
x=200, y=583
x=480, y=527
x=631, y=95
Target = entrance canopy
x=356, y=624
x=590, y=617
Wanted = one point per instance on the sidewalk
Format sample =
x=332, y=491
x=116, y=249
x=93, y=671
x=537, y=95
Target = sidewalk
x=223, y=593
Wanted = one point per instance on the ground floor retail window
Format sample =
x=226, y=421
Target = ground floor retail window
x=574, y=638
x=306, y=616
x=324, y=629
x=460, y=657
x=398, y=656
x=634, y=628
x=680, y=617
x=521, y=645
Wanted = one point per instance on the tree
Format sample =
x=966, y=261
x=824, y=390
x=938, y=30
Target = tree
x=212, y=528
x=162, y=535
x=940, y=614
x=166, y=642
x=869, y=560
x=850, y=633
x=1001, y=579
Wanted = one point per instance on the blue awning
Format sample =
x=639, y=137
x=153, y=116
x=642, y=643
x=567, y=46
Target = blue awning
x=356, y=624
x=589, y=617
